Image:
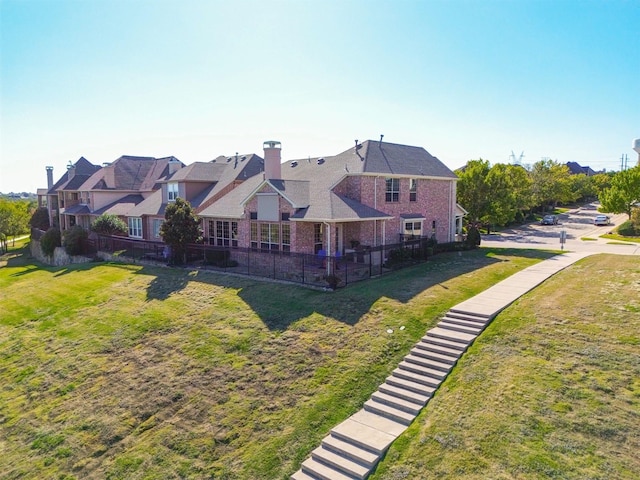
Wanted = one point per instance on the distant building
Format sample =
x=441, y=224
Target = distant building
x=576, y=169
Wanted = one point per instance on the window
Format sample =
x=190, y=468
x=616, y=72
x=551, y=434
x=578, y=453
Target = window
x=135, y=227
x=223, y=233
x=269, y=236
x=413, y=189
x=157, y=223
x=412, y=227
x=318, y=237
x=393, y=190
x=172, y=191
x=254, y=235
x=286, y=237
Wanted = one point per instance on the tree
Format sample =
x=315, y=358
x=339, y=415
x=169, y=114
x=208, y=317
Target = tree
x=180, y=227
x=473, y=190
x=40, y=219
x=624, y=192
x=109, y=224
x=550, y=183
x=14, y=220
x=509, y=193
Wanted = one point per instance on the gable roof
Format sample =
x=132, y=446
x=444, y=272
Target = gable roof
x=122, y=206
x=198, y=172
x=129, y=173
x=82, y=170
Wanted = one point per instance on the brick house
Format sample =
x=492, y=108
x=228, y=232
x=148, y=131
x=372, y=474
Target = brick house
x=375, y=193
x=86, y=191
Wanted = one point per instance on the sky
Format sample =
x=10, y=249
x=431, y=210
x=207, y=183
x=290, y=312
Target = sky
x=465, y=79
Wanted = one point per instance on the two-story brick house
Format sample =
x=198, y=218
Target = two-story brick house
x=375, y=193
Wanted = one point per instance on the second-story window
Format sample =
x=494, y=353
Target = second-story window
x=413, y=190
x=393, y=190
x=172, y=191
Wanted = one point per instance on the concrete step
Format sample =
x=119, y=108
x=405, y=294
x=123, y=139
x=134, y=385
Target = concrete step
x=416, y=378
x=422, y=370
x=409, y=384
x=452, y=336
x=462, y=311
x=338, y=462
x=443, y=342
x=351, y=451
x=427, y=362
x=396, y=402
x=420, y=351
x=459, y=328
x=320, y=471
x=464, y=323
x=428, y=345
x=388, y=411
x=472, y=317
x=300, y=475
x=366, y=436
x=405, y=394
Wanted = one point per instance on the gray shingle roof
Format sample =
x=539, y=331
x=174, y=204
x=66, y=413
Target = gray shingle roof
x=121, y=207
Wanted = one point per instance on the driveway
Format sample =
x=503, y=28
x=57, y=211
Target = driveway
x=576, y=223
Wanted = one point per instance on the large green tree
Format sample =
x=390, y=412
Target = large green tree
x=109, y=224
x=14, y=219
x=473, y=190
x=624, y=192
x=181, y=227
x=509, y=193
x=550, y=183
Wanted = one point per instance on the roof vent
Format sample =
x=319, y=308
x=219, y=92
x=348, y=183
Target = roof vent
x=320, y=161
x=294, y=164
x=244, y=157
x=229, y=159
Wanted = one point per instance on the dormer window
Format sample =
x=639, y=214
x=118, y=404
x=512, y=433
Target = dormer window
x=172, y=191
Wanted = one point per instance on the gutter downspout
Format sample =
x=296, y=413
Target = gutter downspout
x=328, y=263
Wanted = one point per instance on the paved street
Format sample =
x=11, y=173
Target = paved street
x=577, y=223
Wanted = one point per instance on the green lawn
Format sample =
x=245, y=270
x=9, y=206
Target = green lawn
x=130, y=372
x=550, y=390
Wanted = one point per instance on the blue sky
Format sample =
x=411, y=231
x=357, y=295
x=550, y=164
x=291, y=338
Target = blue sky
x=198, y=79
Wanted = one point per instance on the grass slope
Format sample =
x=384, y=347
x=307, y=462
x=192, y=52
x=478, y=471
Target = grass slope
x=130, y=372
x=550, y=390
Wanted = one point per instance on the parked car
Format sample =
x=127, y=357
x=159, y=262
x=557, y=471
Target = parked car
x=601, y=220
x=549, y=220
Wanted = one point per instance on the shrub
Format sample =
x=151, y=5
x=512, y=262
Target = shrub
x=219, y=258
x=473, y=237
x=50, y=240
x=75, y=240
x=627, y=229
x=635, y=218
x=109, y=224
x=40, y=219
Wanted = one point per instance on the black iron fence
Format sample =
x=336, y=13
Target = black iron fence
x=330, y=271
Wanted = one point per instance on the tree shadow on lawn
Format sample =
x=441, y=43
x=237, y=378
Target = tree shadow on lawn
x=279, y=305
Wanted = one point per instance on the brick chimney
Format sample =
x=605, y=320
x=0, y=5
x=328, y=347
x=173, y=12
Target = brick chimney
x=272, y=169
x=174, y=165
x=49, y=177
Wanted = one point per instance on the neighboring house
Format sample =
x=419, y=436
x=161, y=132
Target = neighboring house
x=86, y=191
x=576, y=169
x=200, y=183
x=375, y=193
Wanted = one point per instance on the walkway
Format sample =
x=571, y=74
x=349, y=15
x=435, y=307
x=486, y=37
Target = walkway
x=354, y=447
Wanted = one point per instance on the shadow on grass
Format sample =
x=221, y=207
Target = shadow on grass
x=279, y=305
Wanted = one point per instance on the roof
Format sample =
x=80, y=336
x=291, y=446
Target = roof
x=121, y=207
x=340, y=209
x=77, y=209
x=129, y=173
x=82, y=170
x=198, y=172
x=152, y=205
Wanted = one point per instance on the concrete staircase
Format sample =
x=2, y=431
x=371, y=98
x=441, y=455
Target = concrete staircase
x=354, y=447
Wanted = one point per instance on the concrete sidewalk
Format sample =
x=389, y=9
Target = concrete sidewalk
x=354, y=447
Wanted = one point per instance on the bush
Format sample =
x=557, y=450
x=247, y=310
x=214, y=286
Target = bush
x=635, y=218
x=627, y=229
x=109, y=224
x=75, y=240
x=50, y=240
x=40, y=219
x=473, y=237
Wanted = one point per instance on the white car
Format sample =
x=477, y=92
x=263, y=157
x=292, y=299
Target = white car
x=601, y=220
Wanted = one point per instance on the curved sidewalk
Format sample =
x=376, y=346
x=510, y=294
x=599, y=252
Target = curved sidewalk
x=354, y=447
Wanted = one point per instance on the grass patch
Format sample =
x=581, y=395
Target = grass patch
x=549, y=390
x=622, y=238
x=129, y=371
x=588, y=239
